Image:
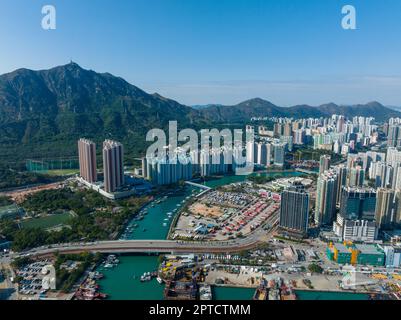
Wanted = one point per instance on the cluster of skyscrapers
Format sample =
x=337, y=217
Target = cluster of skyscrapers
x=345, y=201
x=172, y=167
x=357, y=199
x=268, y=151
x=113, y=168
x=266, y=154
x=335, y=134
x=358, y=207
x=169, y=170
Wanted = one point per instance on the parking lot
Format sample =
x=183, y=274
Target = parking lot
x=31, y=278
x=226, y=214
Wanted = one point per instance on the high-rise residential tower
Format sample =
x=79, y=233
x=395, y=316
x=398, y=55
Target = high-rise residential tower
x=324, y=163
x=342, y=173
x=358, y=203
x=356, y=220
x=326, y=197
x=113, y=167
x=262, y=154
x=294, y=209
x=87, y=160
x=279, y=154
x=385, y=208
x=356, y=177
x=394, y=136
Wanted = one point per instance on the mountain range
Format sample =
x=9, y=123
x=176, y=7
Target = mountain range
x=43, y=113
x=261, y=108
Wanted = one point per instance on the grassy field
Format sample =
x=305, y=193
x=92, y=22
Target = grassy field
x=64, y=172
x=47, y=222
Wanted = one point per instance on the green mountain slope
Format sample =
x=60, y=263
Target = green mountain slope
x=43, y=113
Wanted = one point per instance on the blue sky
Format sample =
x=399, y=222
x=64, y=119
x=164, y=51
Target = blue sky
x=218, y=51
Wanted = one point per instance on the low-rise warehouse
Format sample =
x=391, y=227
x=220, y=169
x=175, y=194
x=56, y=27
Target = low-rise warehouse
x=362, y=254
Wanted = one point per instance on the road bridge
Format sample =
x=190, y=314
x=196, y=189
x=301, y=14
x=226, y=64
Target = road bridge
x=307, y=171
x=198, y=185
x=146, y=246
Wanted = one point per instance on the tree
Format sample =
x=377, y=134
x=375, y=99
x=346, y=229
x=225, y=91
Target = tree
x=315, y=268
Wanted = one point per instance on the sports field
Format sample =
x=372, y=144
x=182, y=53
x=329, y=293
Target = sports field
x=47, y=222
x=62, y=172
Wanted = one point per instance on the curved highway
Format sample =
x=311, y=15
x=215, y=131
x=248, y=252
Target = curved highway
x=153, y=246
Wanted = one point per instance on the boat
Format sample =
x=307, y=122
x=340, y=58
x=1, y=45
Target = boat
x=261, y=293
x=111, y=261
x=274, y=294
x=147, y=276
x=159, y=280
x=144, y=230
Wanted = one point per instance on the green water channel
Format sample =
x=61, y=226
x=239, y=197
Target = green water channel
x=119, y=283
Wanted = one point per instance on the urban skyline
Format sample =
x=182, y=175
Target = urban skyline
x=202, y=151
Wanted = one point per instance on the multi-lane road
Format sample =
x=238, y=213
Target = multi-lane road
x=154, y=246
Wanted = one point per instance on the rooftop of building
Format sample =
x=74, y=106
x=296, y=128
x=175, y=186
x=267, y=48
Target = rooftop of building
x=341, y=248
x=368, y=248
x=85, y=140
x=111, y=143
